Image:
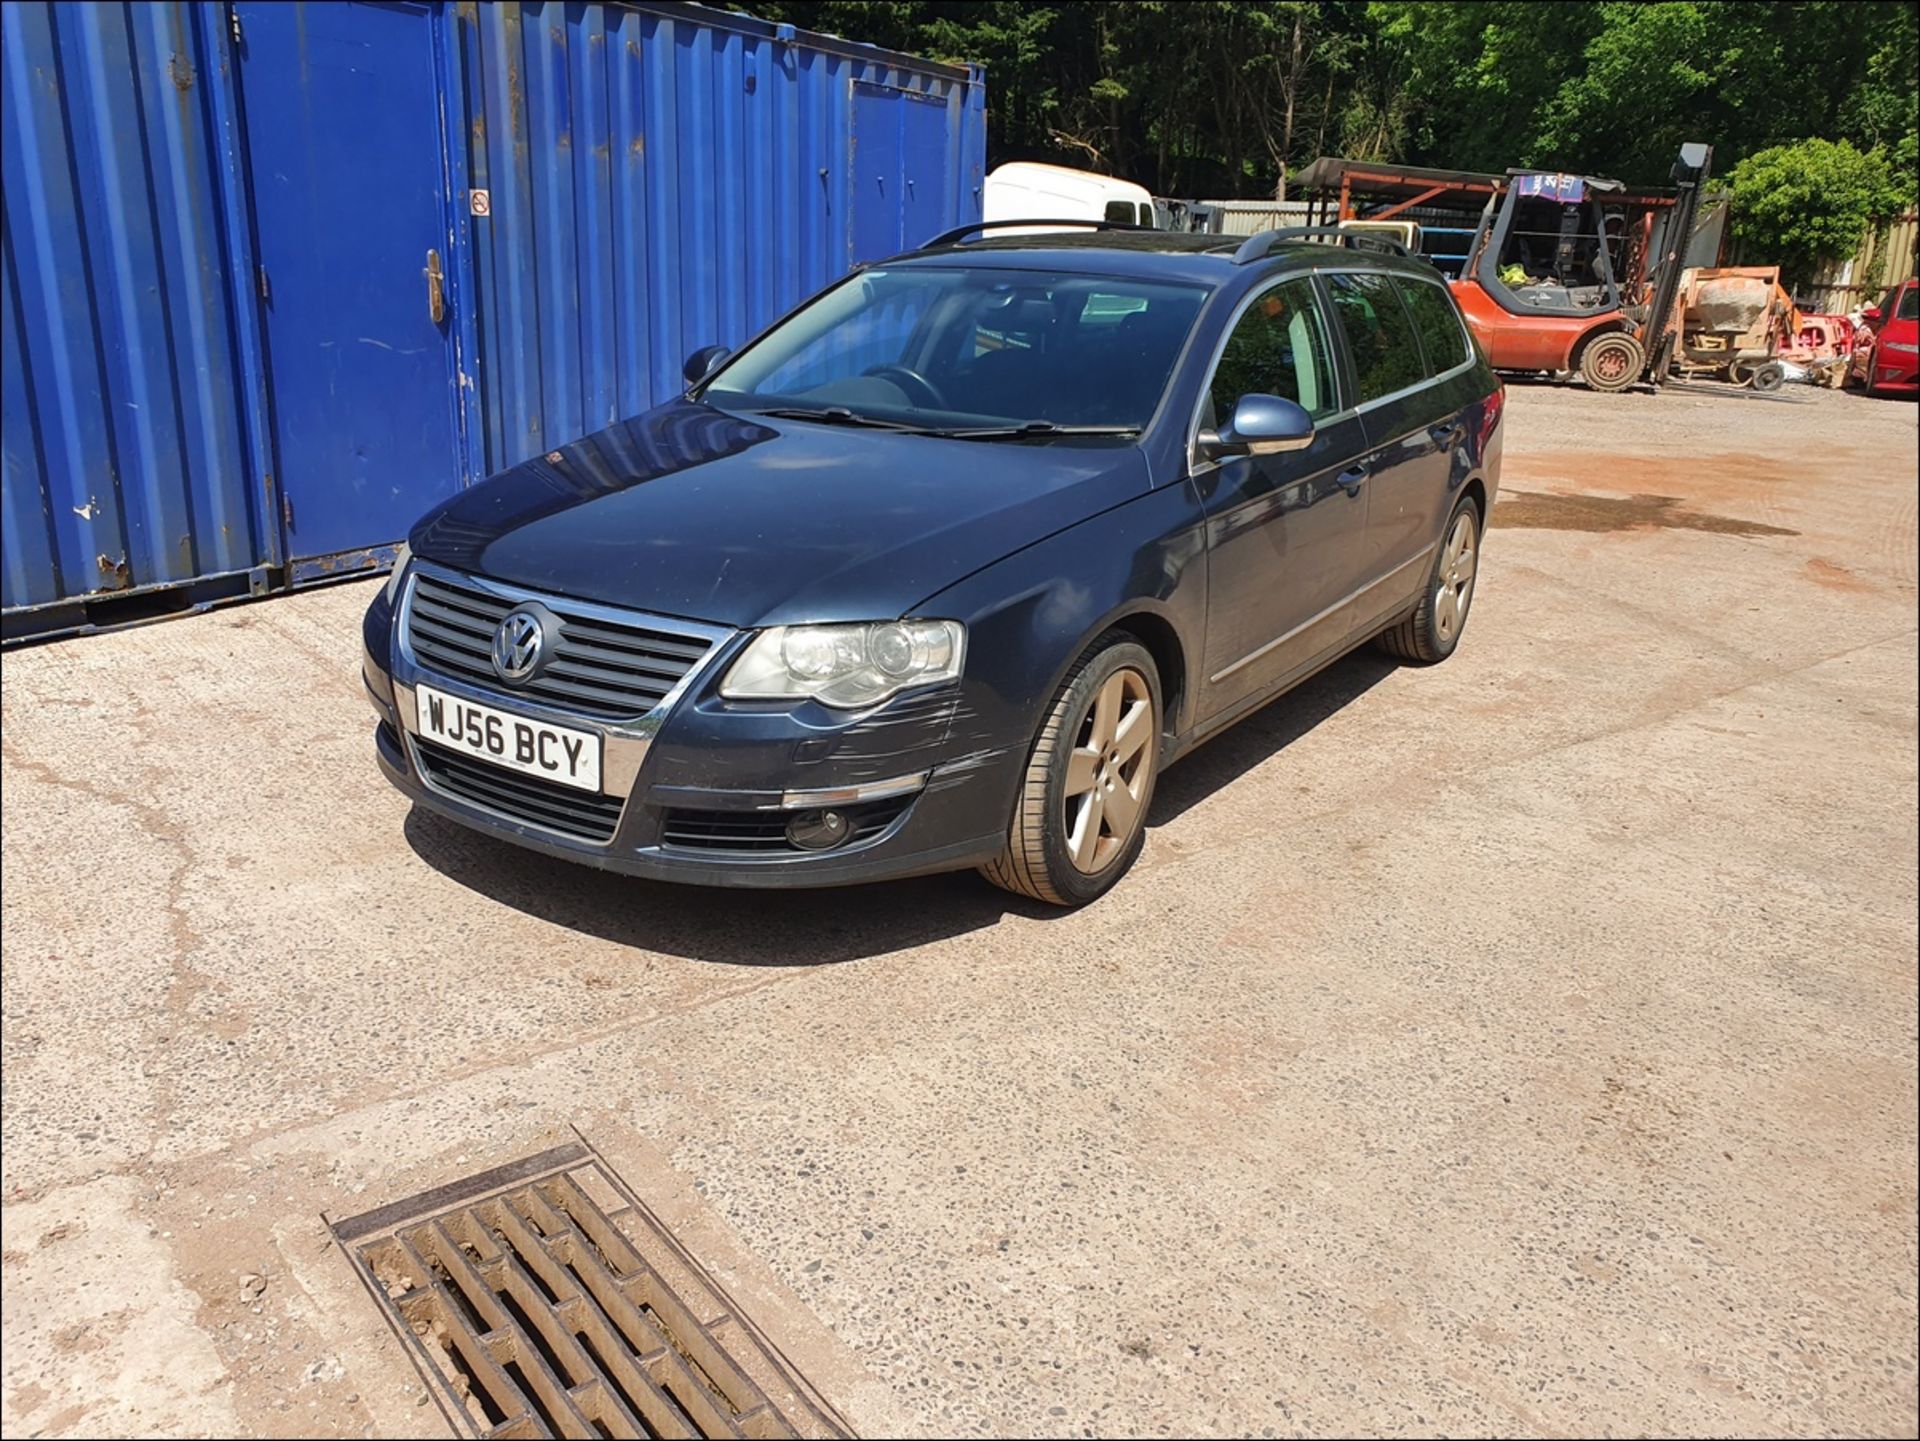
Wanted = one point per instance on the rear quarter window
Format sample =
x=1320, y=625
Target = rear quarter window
x=1443, y=335
x=1380, y=335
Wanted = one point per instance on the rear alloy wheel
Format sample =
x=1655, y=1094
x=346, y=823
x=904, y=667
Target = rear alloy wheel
x=1429, y=635
x=1612, y=361
x=1080, y=820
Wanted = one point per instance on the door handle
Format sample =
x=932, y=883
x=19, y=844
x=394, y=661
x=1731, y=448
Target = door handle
x=1350, y=480
x=436, y=288
x=1446, y=433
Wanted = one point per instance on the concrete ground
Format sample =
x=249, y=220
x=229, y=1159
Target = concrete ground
x=1526, y=1044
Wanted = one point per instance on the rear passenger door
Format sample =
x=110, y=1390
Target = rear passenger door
x=1411, y=433
x=1286, y=534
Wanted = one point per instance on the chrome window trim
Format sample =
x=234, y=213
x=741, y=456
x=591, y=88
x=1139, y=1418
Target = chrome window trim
x=1404, y=391
x=623, y=743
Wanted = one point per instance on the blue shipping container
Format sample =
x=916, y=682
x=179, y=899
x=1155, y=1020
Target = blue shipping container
x=659, y=179
x=129, y=398
x=278, y=277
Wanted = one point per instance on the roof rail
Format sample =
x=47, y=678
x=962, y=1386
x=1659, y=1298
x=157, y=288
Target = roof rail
x=1259, y=247
x=949, y=237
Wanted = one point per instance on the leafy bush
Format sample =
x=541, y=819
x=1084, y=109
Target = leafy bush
x=1801, y=204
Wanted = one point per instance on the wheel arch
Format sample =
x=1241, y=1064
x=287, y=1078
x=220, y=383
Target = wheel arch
x=1476, y=490
x=1162, y=641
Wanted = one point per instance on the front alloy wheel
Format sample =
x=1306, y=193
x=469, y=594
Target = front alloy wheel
x=1109, y=771
x=1080, y=819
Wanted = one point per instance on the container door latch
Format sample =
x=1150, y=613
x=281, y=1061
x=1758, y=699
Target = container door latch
x=436, y=288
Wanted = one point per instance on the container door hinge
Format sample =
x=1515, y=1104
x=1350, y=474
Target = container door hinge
x=286, y=509
x=233, y=20
x=260, y=279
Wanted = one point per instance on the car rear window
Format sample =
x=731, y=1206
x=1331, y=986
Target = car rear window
x=1443, y=337
x=1380, y=336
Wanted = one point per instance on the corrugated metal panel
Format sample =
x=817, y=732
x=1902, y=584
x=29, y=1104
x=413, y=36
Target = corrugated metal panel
x=1250, y=217
x=660, y=177
x=129, y=459
x=664, y=178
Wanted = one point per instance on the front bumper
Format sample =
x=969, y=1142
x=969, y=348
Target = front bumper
x=700, y=769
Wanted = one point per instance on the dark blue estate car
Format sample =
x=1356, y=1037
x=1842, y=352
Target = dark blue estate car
x=943, y=568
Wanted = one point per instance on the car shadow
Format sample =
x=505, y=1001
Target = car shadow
x=701, y=923
x=1265, y=733
x=844, y=923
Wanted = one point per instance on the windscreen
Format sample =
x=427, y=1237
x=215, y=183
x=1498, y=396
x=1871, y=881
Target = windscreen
x=955, y=347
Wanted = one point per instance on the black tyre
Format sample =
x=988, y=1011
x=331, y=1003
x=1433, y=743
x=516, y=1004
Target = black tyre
x=1769, y=377
x=1429, y=635
x=1081, y=816
x=1612, y=361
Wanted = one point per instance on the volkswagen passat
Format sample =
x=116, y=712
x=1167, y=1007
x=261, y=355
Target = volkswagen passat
x=944, y=568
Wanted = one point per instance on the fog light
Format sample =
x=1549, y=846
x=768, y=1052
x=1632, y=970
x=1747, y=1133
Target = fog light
x=818, y=830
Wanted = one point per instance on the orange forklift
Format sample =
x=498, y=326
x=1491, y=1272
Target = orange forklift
x=1559, y=279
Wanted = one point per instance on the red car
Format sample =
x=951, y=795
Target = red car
x=1892, y=367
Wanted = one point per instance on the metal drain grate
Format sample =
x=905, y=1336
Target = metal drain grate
x=544, y=1299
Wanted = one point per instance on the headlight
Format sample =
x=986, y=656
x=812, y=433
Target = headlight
x=399, y=573
x=846, y=665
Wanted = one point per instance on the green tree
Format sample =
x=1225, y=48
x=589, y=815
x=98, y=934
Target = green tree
x=1810, y=202
x=1229, y=97
x=1480, y=74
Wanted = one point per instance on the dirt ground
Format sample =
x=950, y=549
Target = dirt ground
x=1522, y=1044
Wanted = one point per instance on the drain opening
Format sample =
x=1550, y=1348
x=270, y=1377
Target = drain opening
x=533, y=1309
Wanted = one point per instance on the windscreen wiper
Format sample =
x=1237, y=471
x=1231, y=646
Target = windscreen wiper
x=840, y=415
x=1035, y=430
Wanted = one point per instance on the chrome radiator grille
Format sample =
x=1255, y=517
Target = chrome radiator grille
x=600, y=668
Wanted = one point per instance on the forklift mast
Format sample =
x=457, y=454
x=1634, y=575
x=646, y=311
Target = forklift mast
x=1690, y=174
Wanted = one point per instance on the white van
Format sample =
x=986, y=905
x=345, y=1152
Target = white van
x=1028, y=190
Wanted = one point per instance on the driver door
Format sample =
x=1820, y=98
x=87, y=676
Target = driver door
x=1286, y=534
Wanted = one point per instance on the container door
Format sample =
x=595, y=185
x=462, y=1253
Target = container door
x=349, y=193
x=900, y=183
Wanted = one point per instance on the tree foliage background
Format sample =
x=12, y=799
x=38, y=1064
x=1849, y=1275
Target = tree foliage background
x=1226, y=98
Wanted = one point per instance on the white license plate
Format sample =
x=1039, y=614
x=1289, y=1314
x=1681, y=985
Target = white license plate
x=535, y=748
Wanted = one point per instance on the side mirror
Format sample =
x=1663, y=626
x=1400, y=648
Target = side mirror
x=1261, y=425
x=703, y=362
x=1872, y=314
